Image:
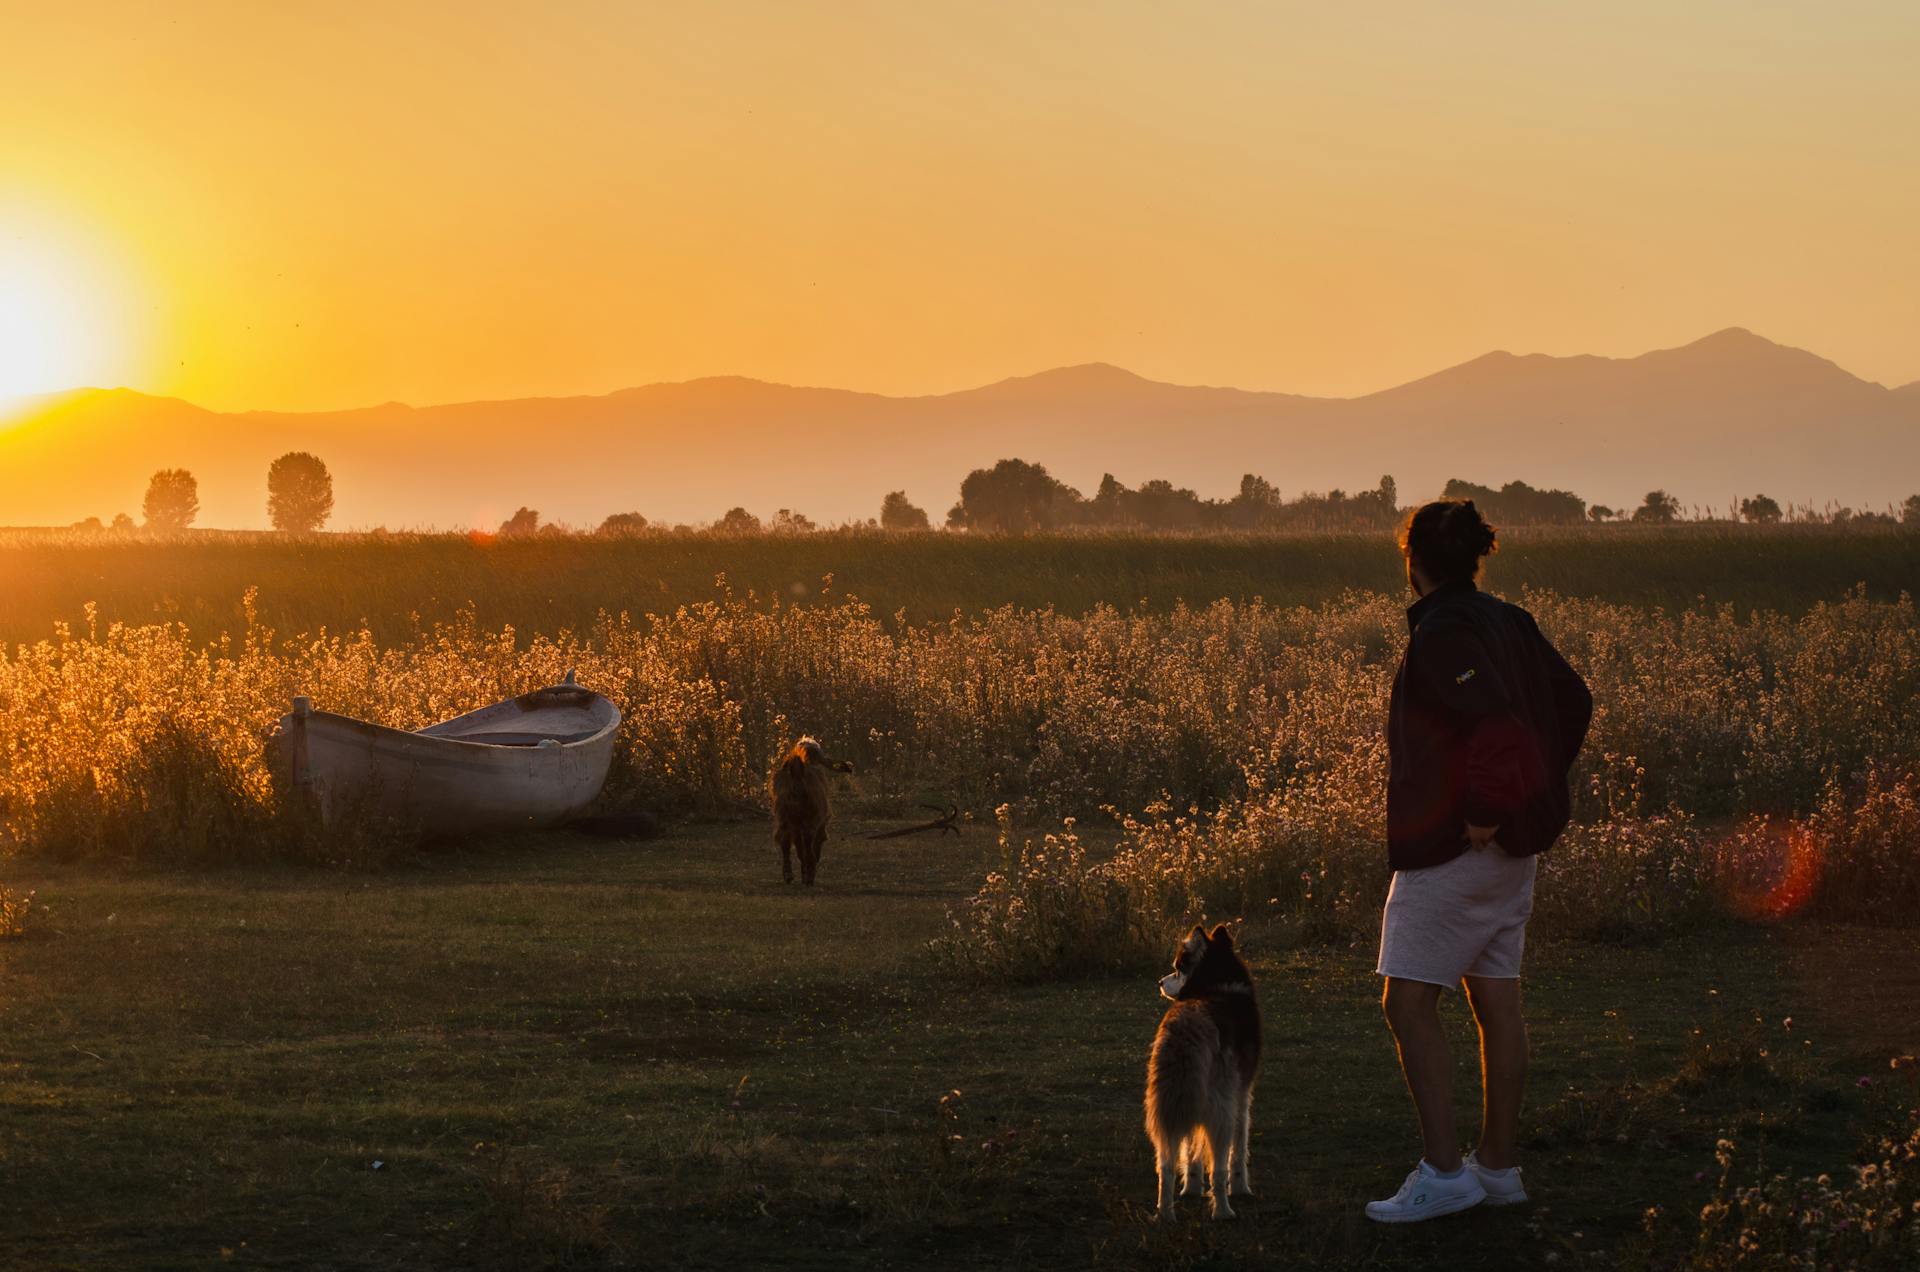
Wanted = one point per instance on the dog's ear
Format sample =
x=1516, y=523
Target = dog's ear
x=1198, y=936
x=1222, y=937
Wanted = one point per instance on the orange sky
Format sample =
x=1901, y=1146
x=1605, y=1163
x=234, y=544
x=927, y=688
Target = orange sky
x=314, y=205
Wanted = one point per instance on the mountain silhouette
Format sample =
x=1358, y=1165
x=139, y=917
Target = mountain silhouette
x=1727, y=415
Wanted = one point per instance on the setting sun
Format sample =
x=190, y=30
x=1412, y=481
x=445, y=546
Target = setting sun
x=56, y=326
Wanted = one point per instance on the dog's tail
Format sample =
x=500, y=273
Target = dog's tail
x=1177, y=1103
x=1173, y=1115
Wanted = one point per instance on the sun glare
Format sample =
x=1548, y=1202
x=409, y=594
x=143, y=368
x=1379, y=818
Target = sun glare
x=54, y=331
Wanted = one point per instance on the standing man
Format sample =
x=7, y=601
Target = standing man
x=1485, y=722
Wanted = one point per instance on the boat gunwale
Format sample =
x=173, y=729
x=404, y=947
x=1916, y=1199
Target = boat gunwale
x=381, y=731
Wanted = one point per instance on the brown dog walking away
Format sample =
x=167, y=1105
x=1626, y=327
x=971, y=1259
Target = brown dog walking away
x=1201, y=1071
x=801, y=808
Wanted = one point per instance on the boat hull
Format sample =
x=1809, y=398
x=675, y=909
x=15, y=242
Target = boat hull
x=535, y=761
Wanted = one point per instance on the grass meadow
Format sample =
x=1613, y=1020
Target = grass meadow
x=565, y=1051
x=583, y=1054
x=393, y=583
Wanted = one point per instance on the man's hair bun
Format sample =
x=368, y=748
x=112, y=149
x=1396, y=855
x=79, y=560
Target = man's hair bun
x=1446, y=539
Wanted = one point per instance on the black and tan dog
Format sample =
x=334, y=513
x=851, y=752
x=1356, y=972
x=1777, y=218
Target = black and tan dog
x=1201, y=1070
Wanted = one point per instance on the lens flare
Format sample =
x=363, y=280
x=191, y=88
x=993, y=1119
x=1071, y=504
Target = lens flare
x=1777, y=871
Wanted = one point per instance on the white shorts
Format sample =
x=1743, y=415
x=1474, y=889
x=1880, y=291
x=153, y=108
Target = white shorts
x=1467, y=917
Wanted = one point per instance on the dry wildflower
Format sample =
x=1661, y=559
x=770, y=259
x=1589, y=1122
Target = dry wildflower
x=15, y=909
x=1241, y=742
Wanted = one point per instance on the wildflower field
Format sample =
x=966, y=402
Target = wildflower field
x=577, y=1052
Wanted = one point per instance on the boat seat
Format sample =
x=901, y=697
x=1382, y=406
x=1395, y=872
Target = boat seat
x=516, y=739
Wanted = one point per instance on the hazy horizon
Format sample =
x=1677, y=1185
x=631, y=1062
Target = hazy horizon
x=27, y=403
x=1715, y=420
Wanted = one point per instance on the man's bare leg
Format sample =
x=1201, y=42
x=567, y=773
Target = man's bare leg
x=1413, y=1013
x=1503, y=1066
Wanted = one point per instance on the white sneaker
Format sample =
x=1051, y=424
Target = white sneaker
x=1503, y=1186
x=1427, y=1194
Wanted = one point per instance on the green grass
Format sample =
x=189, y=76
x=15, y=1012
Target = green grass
x=544, y=585
x=577, y=1052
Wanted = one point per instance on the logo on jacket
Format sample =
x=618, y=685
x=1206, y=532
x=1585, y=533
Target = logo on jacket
x=1464, y=676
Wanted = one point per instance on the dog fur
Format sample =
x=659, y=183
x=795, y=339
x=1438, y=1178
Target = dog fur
x=801, y=807
x=1201, y=1071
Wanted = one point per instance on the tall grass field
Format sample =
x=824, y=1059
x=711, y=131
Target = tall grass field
x=393, y=582
x=564, y=1051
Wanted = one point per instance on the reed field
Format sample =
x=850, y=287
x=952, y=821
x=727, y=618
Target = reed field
x=1144, y=733
x=1187, y=757
x=393, y=582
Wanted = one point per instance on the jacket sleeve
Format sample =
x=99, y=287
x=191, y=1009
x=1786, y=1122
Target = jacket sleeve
x=1456, y=670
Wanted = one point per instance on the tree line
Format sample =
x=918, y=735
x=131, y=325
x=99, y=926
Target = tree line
x=1018, y=497
x=1015, y=496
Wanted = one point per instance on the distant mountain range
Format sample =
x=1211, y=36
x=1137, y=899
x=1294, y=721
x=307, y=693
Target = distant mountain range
x=1729, y=415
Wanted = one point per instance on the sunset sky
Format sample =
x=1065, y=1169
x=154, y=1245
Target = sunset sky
x=322, y=205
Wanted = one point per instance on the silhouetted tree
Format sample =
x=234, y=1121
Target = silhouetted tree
x=299, y=493
x=1257, y=504
x=1761, y=510
x=521, y=524
x=1014, y=495
x=787, y=521
x=1109, y=505
x=1658, y=507
x=1517, y=503
x=1160, y=505
x=90, y=525
x=1910, y=511
x=1165, y=506
x=1600, y=512
x=121, y=523
x=738, y=521
x=173, y=500
x=897, y=512
x=1257, y=490
x=623, y=523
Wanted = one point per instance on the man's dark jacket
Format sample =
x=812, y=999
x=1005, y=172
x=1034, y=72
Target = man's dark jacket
x=1486, y=720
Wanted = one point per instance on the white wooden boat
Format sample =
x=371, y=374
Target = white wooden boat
x=532, y=761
